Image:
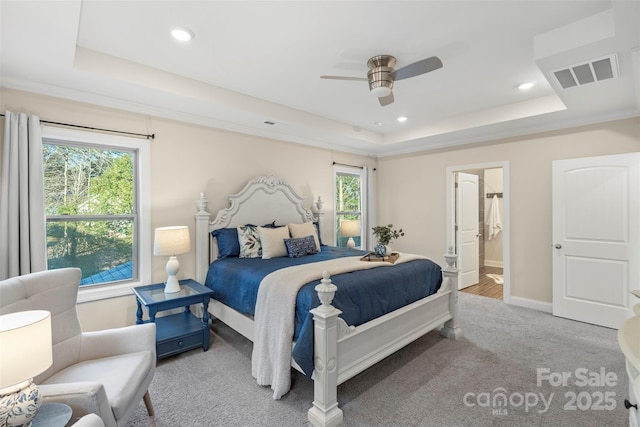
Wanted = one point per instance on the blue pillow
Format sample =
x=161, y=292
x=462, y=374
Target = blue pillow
x=228, y=245
x=301, y=246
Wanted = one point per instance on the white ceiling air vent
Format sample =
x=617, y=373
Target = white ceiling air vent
x=587, y=72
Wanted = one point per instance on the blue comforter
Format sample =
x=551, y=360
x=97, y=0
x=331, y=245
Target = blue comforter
x=362, y=295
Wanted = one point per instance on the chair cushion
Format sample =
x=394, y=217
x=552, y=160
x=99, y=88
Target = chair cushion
x=122, y=376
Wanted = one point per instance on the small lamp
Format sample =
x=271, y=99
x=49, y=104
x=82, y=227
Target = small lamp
x=25, y=351
x=172, y=241
x=350, y=229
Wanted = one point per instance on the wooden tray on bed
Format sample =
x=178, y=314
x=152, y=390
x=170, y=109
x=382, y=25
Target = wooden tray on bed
x=372, y=257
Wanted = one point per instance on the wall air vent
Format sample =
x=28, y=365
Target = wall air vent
x=587, y=72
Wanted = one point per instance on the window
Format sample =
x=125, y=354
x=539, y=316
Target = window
x=350, y=201
x=96, y=188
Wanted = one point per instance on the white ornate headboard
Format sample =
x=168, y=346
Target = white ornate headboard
x=263, y=200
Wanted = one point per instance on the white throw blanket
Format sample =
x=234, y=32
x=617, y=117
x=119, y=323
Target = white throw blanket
x=274, y=319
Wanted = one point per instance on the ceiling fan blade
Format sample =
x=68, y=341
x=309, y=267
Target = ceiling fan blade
x=417, y=68
x=386, y=100
x=344, y=78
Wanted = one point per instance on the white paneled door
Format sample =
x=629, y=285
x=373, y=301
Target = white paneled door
x=467, y=222
x=596, y=238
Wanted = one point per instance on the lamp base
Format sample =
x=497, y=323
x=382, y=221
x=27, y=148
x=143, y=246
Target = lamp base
x=172, y=286
x=19, y=408
x=351, y=243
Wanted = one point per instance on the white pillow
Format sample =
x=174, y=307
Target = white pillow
x=272, y=240
x=304, y=230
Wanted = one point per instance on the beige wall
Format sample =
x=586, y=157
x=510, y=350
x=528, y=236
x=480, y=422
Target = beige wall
x=186, y=160
x=189, y=159
x=411, y=192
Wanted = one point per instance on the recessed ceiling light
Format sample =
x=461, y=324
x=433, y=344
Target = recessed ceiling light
x=402, y=119
x=525, y=86
x=378, y=123
x=182, y=34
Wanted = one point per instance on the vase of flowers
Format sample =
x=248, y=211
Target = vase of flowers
x=385, y=234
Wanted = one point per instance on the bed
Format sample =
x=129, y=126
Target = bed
x=340, y=348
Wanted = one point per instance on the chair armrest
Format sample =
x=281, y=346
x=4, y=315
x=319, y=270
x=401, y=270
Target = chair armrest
x=113, y=342
x=83, y=398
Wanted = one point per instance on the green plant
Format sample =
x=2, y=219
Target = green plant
x=385, y=233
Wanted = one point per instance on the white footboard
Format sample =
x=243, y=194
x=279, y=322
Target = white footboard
x=340, y=352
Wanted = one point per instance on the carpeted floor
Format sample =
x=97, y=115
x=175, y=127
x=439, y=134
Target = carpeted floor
x=507, y=370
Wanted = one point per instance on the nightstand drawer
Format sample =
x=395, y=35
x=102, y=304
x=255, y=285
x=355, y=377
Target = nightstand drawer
x=180, y=344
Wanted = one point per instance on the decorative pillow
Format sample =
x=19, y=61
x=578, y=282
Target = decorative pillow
x=249, y=241
x=303, y=230
x=272, y=241
x=301, y=246
x=227, y=240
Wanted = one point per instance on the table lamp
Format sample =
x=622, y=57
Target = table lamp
x=350, y=229
x=172, y=241
x=25, y=351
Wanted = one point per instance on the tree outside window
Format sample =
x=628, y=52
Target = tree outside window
x=91, y=211
x=348, y=204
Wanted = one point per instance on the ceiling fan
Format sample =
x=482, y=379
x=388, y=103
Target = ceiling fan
x=382, y=75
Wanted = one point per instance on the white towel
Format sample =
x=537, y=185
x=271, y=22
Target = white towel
x=494, y=222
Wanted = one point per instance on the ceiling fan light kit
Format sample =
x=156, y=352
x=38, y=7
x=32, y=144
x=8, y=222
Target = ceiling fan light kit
x=381, y=74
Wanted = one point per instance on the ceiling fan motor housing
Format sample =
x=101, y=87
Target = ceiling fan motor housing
x=380, y=75
x=380, y=81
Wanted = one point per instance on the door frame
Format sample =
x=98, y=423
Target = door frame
x=506, y=222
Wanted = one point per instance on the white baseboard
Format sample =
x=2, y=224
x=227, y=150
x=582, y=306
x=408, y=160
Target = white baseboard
x=546, y=307
x=491, y=263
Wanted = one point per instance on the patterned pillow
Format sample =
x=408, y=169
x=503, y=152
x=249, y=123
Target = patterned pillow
x=301, y=246
x=249, y=241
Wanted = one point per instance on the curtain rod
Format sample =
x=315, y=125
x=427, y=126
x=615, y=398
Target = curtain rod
x=121, y=132
x=351, y=166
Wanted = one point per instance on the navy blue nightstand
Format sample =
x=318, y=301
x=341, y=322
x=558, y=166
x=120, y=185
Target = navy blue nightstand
x=179, y=332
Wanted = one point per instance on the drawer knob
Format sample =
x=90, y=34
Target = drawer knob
x=629, y=405
x=180, y=343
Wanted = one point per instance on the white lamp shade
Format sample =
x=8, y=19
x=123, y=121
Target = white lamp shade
x=350, y=228
x=25, y=346
x=171, y=240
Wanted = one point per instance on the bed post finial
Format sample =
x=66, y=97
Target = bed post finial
x=319, y=204
x=326, y=291
x=450, y=257
x=202, y=204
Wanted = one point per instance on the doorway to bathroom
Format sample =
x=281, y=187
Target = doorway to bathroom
x=478, y=224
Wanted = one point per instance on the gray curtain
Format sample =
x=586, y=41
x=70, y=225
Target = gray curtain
x=23, y=247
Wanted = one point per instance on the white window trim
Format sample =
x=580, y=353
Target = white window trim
x=142, y=146
x=364, y=205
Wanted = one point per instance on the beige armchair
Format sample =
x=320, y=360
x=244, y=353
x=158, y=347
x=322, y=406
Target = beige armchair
x=105, y=372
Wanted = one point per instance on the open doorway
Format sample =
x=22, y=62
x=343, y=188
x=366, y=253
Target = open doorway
x=479, y=227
